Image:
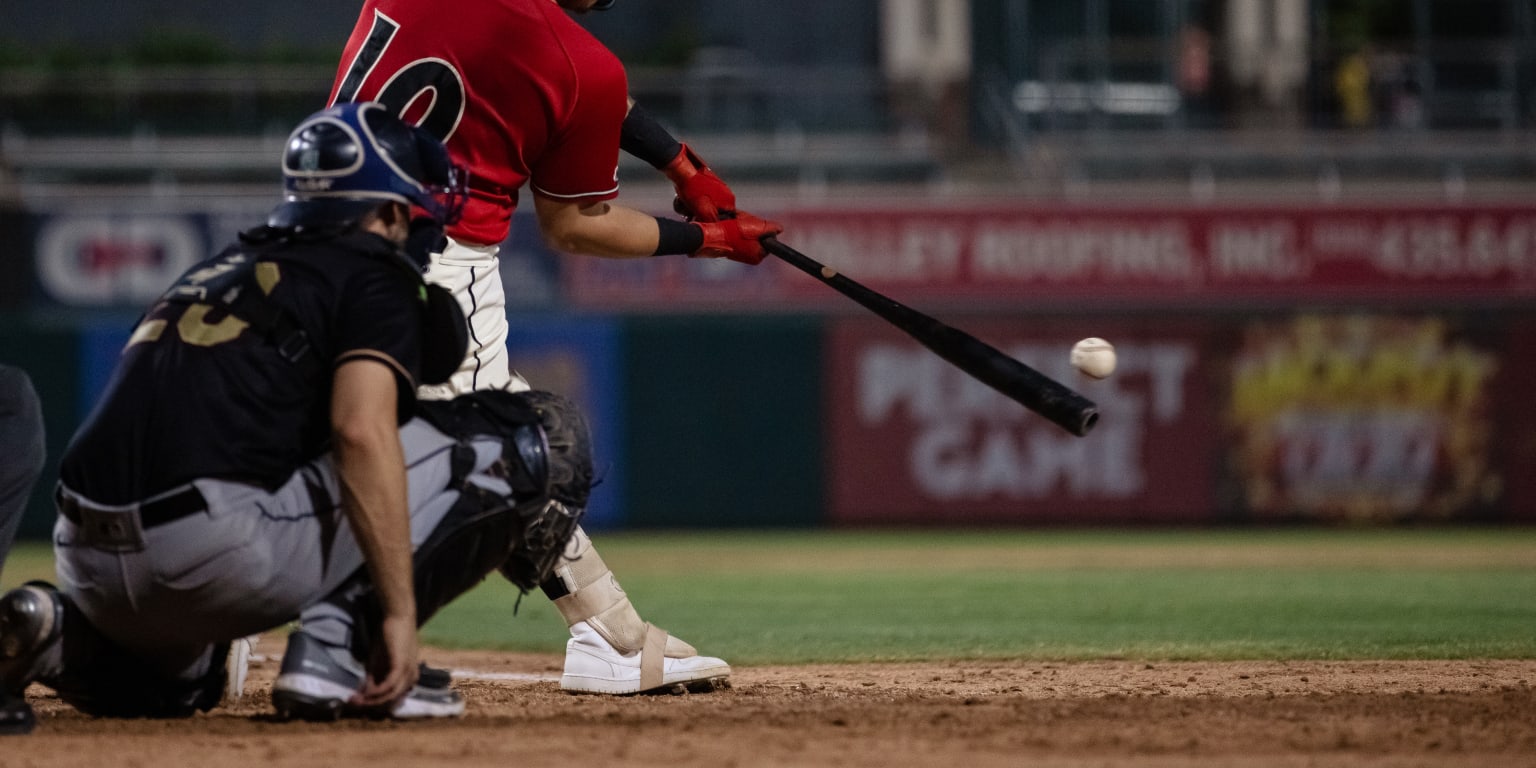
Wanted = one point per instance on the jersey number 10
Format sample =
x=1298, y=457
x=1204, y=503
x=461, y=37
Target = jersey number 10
x=432, y=78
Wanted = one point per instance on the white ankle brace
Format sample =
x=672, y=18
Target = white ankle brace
x=594, y=596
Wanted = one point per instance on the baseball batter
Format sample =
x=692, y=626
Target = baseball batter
x=260, y=456
x=523, y=95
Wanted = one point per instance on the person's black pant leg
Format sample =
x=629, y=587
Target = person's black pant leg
x=22, y=451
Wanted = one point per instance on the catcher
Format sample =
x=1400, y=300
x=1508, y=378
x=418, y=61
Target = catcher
x=260, y=456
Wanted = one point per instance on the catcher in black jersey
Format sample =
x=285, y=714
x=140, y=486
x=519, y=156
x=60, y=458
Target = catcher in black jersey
x=259, y=457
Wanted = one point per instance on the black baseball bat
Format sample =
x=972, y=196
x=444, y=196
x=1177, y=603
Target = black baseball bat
x=1023, y=384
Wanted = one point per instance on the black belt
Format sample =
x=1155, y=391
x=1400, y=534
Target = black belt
x=166, y=509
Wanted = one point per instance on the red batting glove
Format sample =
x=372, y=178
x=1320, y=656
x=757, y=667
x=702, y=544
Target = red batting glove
x=738, y=239
x=701, y=195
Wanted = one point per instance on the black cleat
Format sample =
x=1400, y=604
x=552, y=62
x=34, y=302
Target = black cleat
x=314, y=684
x=16, y=715
x=30, y=622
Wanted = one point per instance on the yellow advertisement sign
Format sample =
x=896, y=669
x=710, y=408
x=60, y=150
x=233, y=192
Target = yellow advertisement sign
x=1362, y=418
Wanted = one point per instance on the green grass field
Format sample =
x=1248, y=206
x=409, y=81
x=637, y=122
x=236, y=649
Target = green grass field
x=763, y=598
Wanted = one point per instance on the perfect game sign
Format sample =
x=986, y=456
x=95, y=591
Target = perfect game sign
x=916, y=441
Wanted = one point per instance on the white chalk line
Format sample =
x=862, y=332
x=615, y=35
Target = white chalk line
x=467, y=674
x=518, y=677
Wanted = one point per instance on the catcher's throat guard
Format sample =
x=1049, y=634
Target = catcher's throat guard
x=446, y=335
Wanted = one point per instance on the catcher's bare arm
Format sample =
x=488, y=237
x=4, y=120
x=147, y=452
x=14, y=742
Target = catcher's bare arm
x=371, y=468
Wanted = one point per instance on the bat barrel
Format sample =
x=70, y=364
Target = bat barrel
x=1034, y=390
x=1021, y=383
x=1078, y=416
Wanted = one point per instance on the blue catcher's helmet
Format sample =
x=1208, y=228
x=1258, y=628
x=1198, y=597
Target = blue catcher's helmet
x=345, y=161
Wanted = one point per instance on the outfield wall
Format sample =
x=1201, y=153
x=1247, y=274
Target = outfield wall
x=1359, y=364
x=1281, y=417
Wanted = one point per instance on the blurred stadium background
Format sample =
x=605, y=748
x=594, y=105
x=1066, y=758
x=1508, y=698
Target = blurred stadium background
x=1308, y=226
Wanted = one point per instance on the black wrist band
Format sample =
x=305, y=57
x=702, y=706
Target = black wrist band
x=644, y=138
x=677, y=237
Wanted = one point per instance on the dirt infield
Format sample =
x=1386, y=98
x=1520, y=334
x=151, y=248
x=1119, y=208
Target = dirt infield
x=974, y=714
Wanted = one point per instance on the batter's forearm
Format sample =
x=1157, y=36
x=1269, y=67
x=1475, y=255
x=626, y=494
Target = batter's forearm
x=597, y=229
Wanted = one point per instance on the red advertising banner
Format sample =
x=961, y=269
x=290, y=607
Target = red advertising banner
x=1514, y=413
x=915, y=441
x=1313, y=417
x=1137, y=255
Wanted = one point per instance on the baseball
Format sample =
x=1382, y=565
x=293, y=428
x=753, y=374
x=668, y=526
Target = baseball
x=1094, y=357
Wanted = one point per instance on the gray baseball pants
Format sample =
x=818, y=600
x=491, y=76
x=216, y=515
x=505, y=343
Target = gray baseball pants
x=254, y=560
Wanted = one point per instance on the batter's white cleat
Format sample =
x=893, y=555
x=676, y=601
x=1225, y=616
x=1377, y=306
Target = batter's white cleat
x=593, y=665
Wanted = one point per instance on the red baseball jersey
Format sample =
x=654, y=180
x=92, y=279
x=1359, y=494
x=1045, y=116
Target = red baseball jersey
x=517, y=89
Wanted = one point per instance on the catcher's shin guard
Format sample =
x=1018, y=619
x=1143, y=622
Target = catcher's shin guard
x=474, y=539
x=545, y=471
x=506, y=516
x=503, y=518
x=568, y=452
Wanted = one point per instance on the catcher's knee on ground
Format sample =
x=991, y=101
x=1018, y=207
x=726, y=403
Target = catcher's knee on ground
x=131, y=690
x=101, y=678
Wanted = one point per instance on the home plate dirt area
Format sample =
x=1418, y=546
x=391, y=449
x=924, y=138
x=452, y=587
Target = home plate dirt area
x=950, y=713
